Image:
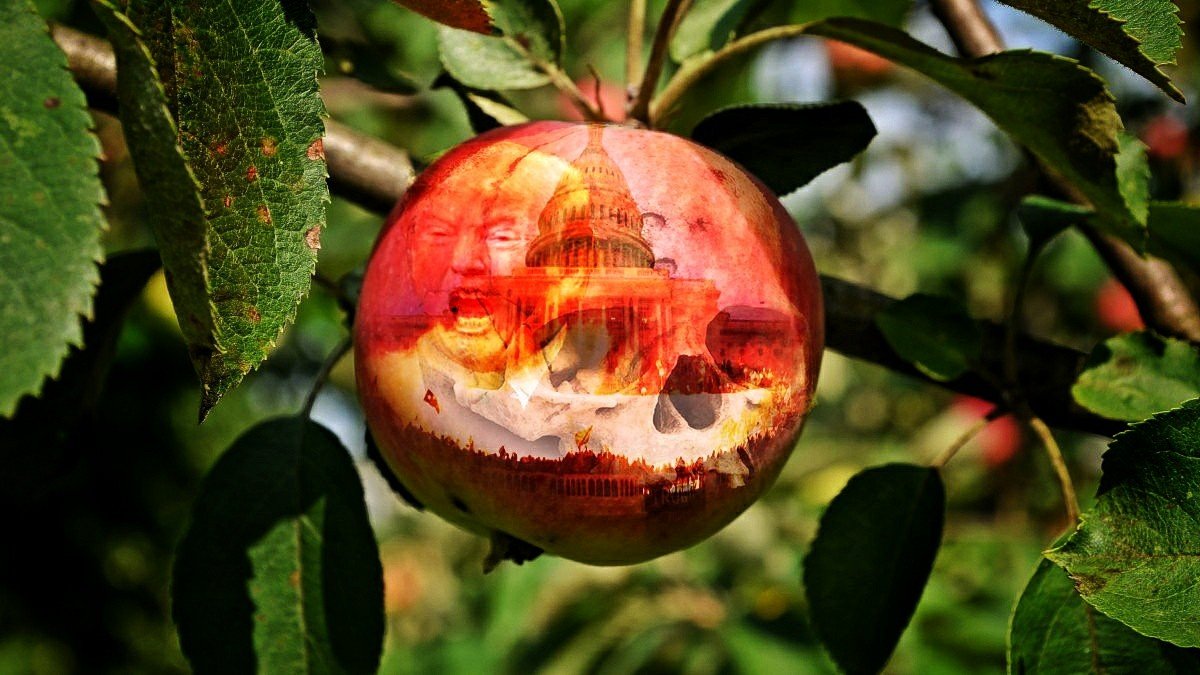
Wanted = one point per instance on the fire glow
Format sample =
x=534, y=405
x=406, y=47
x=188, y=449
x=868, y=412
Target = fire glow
x=571, y=330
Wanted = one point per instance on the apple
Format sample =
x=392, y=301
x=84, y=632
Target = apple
x=1116, y=308
x=599, y=340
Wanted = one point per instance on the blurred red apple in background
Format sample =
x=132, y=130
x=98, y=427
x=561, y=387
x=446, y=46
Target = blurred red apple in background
x=1000, y=440
x=1166, y=137
x=596, y=339
x=1115, y=308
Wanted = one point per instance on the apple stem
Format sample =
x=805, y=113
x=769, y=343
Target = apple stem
x=1070, y=501
x=323, y=374
x=639, y=108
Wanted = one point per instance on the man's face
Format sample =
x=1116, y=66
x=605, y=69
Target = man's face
x=481, y=231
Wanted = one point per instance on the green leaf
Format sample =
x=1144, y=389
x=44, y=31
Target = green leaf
x=279, y=571
x=1043, y=218
x=1055, y=107
x=240, y=251
x=530, y=43
x=485, y=110
x=1054, y=632
x=1133, y=181
x=708, y=25
x=889, y=12
x=786, y=146
x=1141, y=34
x=870, y=561
x=1136, y=555
x=933, y=333
x=1175, y=233
x=50, y=220
x=1130, y=377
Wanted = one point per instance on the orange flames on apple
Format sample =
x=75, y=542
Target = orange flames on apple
x=599, y=340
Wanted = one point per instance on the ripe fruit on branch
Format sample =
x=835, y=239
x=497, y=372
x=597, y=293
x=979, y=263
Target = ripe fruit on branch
x=600, y=340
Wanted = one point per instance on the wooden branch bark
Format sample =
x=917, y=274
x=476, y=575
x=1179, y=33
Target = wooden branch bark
x=375, y=175
x=1163, y=300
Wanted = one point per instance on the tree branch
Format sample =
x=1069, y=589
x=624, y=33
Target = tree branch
x=639, y=108
x=375, y=175
x=1163, y=300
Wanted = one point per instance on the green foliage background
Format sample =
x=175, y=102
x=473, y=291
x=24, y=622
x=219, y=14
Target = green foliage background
x=102, y=485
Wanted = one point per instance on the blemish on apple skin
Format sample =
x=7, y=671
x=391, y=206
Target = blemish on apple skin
x=52, y=102
x=269, y=147
x=252, y=173
x=312, y=237
x=264, y=214
x=316, y=150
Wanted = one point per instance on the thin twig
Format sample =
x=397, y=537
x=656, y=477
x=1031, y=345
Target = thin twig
x=1070, y=501
x=1163, y=300
x=1013, y=324
x=692, y=71
x=633, y=47
x=639, y=108
x=568, y=87
x=949, y=453
x=561, y=81
x=323, y=374
x=968, y=27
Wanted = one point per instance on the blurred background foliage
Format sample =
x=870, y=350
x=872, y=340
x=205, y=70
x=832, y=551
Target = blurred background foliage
x=927, y=208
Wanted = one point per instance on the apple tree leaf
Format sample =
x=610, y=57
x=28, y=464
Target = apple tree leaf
x=1058, y=109
x=1132, y=376
x=279, y=570
x=869, y=563
x=1054, y=632
x=788, y=145
x=229, y=153
x=486, y=110
x=527, y=45
x=471, y=15
x=933, y=333
x=50, y=220
x=889, y=12
x=1054, y=106
x=1143, y=35
x=1043, y=218
x=1136, y=554
x=708, y=25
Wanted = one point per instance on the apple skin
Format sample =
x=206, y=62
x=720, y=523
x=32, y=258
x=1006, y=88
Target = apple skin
x=545, y=424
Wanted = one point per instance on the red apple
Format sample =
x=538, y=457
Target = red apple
x=1166, y=137
x=1000, y=440
x=597, y=339
x=1116, y=308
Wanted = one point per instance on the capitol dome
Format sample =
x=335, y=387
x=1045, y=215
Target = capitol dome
x=592, y=219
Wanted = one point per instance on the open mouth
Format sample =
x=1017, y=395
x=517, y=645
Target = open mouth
x=470, y=311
